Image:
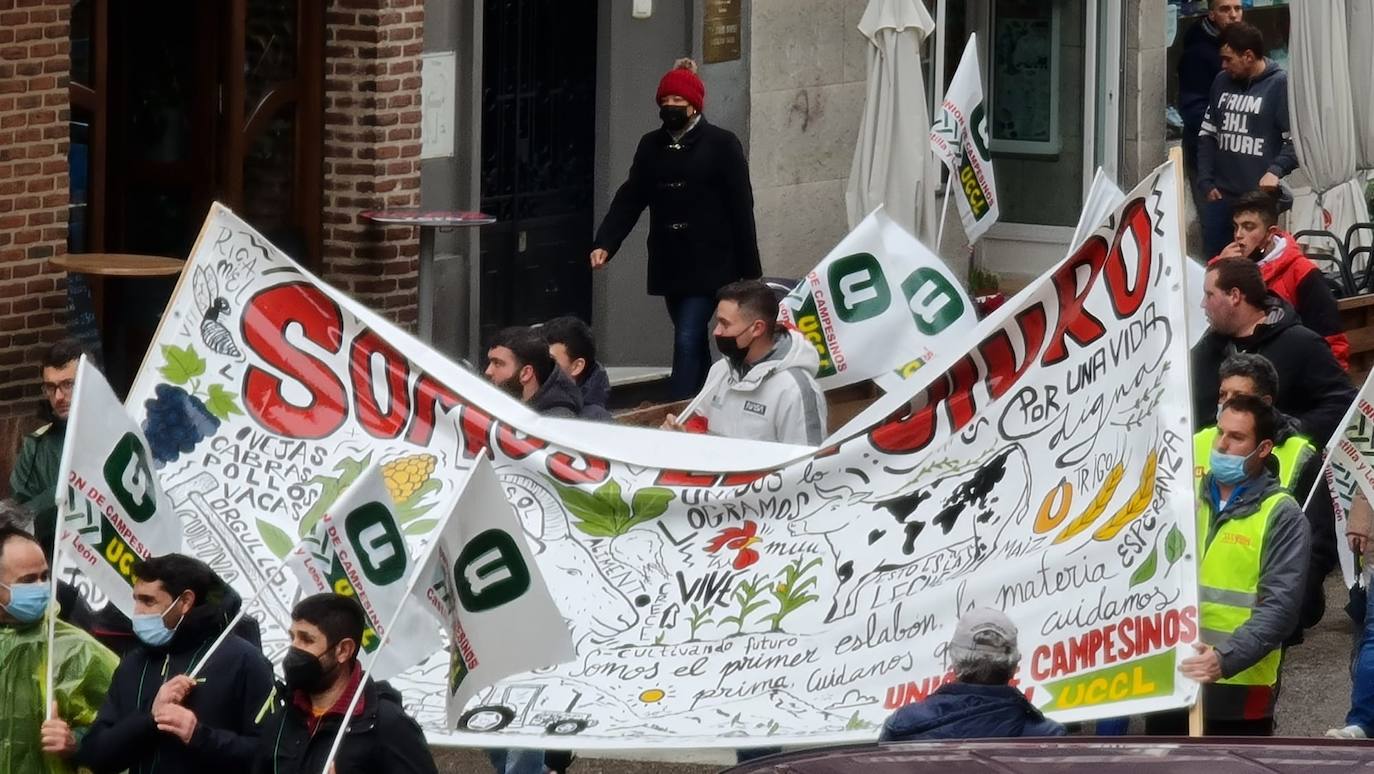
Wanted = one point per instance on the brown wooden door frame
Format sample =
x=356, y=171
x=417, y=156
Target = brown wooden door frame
x=233, y=127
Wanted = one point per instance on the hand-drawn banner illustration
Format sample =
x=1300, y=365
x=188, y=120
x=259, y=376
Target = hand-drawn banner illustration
x=730, y=593
x=877, y=305
x=114, y=511
x=1350, y=472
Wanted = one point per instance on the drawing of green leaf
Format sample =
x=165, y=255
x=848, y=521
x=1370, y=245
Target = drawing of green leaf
x=609, y=495
x=278, y=542
x=650, y=503
x=790, y=591
x=331, y=487
x=1146, y=570
x=1174, y=545
x=603, y=512
x=413, y=507
x=221, y=402
x=595, y=518
x=182, y=364
x=419, y=527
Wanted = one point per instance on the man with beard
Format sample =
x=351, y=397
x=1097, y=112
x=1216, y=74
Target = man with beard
x=157, y=718
x=322, y=673
x=1287, y=272
x=33, y=482
x=518, y=361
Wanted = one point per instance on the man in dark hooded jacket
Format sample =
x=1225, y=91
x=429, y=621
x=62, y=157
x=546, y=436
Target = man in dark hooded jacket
x=981, y=703
x=518, y=361
x=1198, y=66
x=322, y=674
x=1243, y=316
x=574, y=350
x=1245, y=141
x=158, y=719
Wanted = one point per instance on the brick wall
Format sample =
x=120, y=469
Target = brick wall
x=372, y=149
x=34, y=67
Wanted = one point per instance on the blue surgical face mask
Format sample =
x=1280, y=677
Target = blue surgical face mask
x=150, y=628
x=28, y=601
x=1229, y=469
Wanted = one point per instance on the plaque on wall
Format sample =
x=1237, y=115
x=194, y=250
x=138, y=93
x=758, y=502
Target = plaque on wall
x=720, y=32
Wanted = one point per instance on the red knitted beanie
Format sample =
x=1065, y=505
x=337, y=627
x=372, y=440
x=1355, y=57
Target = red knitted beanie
x=682, y=81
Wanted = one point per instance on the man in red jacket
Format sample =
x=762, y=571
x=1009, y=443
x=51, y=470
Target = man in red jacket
x=1287, y=273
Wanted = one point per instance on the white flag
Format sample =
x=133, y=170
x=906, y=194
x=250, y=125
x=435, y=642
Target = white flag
x=880, y=304
x=1350, y=471
x=113, y=509
x=359, y=549
x=482, y=583
x=959, y=138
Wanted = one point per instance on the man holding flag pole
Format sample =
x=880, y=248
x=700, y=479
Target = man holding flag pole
x=339, y=640
x=155, y=716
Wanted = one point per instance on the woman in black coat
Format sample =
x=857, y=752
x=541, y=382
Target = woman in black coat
x=694, y=179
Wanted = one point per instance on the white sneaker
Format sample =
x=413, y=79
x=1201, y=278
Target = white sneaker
x=1349, y=732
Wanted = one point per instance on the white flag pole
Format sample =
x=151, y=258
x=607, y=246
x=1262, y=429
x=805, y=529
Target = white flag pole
x=944, y=211
x=62, y=501
x=54, y=574
x=420, y=565
x=243, y=610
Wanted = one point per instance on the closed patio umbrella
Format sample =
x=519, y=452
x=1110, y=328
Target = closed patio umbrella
x=892, y=161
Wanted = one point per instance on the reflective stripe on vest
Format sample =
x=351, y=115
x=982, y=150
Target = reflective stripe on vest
x=1228, y=581
x=1292, y=456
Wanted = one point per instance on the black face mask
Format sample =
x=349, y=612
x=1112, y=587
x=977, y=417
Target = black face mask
x=674, y=117
x=730, y=347
x=304, y=672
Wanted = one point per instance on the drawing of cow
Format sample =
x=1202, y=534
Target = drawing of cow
x=594, y=608
x=944, y=522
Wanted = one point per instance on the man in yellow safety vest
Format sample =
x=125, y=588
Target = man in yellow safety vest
x=1295, y=460
x=1253, y=543
x=1297, y=464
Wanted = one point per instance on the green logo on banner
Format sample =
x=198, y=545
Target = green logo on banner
x=858, y=288
x=381, y=549
x=131, y=479
x=933, y=301
x=1144, y=678
x=490, y=572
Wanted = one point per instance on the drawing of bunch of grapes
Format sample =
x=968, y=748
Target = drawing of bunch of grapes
x=179, y=418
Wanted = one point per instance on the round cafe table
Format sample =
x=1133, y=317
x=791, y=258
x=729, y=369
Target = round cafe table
x=118, y=264
x=430, y=221
x=86, y=324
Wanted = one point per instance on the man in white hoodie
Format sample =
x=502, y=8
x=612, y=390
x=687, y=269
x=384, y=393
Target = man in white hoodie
x=764, y=389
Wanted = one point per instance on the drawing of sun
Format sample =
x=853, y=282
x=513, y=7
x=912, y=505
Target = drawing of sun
x=652, y=695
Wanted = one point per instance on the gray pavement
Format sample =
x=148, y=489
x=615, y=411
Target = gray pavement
x=1316, y=694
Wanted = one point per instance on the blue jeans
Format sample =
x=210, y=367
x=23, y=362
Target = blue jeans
x=691, y=317
x=517, y=761
x=1218, y=227
x=1362, y=690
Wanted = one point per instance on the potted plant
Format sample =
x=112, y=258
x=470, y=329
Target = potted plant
x=986, y=288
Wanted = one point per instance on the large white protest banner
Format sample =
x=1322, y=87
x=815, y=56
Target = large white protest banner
x=1349, y=472
x=725, y=593
x=959, y=138
x=482, y=583
x=113, y=510
x=357, y=548
x=879, y=303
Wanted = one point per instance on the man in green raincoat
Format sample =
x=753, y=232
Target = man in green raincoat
x=28, y=744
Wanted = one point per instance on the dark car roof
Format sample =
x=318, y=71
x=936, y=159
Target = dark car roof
x=1213, y=755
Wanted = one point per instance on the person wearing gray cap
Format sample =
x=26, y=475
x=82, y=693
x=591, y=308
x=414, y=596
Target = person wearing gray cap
x=981, y=703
